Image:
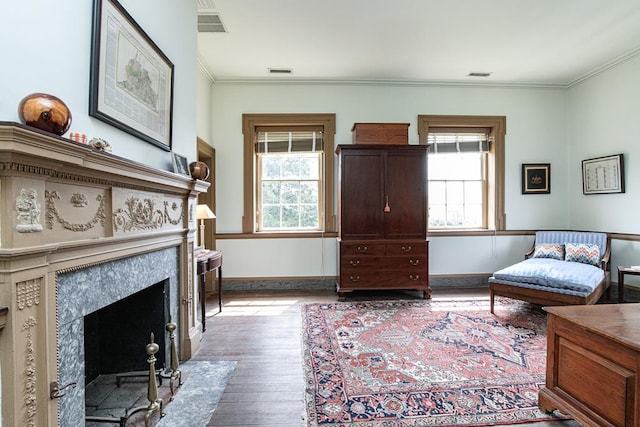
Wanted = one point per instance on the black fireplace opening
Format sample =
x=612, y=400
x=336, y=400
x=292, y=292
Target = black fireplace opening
x=115, y=336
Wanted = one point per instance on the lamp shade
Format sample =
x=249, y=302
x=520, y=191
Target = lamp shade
x=203, y=212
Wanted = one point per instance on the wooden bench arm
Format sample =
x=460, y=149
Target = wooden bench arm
x=607, y=254
x=530, y=252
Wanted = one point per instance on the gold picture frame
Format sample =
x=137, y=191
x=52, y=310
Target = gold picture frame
x=536, y=178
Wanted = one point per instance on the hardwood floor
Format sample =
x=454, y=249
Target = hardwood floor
x=262, y=332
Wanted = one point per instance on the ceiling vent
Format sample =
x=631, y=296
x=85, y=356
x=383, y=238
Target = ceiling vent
x=280, y=71
x=205, y=4
x=210, y=23
x=475, y=74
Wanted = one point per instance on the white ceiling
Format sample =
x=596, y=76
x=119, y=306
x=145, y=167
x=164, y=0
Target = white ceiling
x=520, y=42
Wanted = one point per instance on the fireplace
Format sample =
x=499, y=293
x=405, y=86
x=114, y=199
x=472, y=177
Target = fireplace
x=147, y=282
x=115, y=336
x=88, y=229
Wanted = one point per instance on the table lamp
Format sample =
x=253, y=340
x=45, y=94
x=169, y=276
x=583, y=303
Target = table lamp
x=203, y=212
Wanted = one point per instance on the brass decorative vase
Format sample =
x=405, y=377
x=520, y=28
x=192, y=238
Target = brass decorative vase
x=199, y=170
x=45, y=112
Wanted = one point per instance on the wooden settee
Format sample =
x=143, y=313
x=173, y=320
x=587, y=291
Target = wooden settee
x=561, y=268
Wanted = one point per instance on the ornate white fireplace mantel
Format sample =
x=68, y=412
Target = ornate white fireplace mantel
x=66, y=207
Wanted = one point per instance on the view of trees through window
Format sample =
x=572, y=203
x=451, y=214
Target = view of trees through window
x=289, y=191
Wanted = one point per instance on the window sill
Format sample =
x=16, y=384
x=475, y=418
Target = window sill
x=279, y=235
x=472, y=232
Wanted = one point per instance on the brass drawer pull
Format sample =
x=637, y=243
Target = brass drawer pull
x=414, y=261
x=362, y=248
x=354, y=278
x=406, y=248
x=414, y=277
x=354, y=262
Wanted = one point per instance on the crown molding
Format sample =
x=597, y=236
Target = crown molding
x=607, y=66
x=382, y=82
x=204, y=69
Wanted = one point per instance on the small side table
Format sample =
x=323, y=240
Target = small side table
x=208, y=261
x=621, y=272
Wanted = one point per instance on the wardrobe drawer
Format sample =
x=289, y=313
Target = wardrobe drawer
x=415, y=262
x=385, y=279
x=352, y=263
x=407, y=248
x=361, y=248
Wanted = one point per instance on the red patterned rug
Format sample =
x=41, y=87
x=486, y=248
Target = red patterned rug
x=423, y=363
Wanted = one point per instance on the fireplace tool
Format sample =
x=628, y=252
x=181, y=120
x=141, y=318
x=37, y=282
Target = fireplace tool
x=175, y=374
x=155, y=403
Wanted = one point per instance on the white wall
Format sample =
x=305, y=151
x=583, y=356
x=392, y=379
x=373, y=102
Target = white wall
x=46, y=48
x=536, y=133
x=203, y=109
x=604, y=113
x=603, y=120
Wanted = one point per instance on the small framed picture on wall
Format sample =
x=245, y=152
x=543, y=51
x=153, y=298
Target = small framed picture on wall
x=536, y=178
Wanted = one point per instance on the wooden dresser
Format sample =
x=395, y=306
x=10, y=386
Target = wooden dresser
x=593, y=361
x=382, y=218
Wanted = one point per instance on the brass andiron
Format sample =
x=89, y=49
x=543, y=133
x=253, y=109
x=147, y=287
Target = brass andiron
x=175, y=372
x=152, y=389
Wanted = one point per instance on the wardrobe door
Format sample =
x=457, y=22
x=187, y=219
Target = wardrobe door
x=405, y=190
x=361, y=201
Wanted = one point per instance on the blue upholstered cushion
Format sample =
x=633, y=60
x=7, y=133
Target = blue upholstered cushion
x=564, y=237
x=553, y=274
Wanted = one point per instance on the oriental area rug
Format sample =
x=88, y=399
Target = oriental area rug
x=399, y=363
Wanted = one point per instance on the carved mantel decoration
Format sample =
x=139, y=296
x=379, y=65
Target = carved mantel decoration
x=71, y=206
x=79, y=201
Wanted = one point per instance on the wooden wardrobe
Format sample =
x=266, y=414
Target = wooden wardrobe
x=382, y=218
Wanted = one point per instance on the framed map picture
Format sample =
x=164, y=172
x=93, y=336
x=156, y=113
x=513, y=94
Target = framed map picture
x=603, y=175
x=131, y=79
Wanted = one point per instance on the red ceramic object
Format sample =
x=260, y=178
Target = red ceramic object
x=199, y=170
x=45, y=112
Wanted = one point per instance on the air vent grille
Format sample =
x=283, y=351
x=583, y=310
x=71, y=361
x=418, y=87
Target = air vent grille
x=280, y=70
x=210, y=23
x=205, y=4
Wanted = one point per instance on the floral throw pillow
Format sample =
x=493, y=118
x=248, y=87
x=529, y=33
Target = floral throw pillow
x=549, y=250
x=581, y=252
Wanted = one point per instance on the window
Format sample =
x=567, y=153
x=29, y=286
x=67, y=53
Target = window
x=457, y=177
x=288, y=179
x=288, y=173
x=466, y=171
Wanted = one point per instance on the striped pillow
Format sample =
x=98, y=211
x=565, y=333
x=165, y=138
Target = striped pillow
x=581, y=252
x=549, y=250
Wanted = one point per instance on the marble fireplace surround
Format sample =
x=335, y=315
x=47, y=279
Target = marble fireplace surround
x=80, y=229
x=121, y=278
